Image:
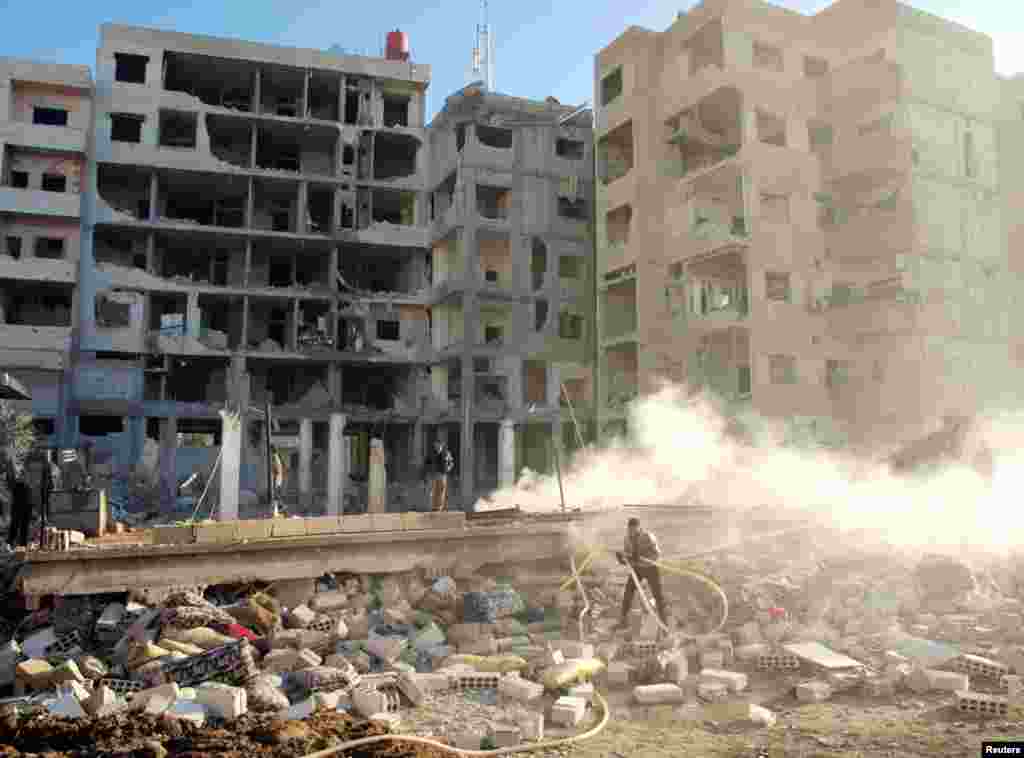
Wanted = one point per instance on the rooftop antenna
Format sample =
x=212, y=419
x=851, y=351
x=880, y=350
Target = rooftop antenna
x=482, y=68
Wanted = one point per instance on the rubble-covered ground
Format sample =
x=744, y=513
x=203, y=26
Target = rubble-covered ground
x=916, y=655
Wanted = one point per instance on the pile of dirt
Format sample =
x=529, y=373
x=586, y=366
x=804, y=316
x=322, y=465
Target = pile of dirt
x=251, y=736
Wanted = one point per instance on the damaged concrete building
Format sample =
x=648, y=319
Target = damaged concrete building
x=510, y=204
x=266, y=226
x=812, y=215
x=45, y=113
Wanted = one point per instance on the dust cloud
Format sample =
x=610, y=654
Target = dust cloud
x=679, y=453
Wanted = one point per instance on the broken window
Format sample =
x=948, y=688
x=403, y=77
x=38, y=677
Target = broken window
x=351, y=105
x=460, y=136
x=815, y=68
x=782, y=369
x=54, y=183
x=389, y=330
x=178, y=129
x=391, y=207
x=111, y=314
x=538, y=262
x=38, y=305
x=837, y=373
x=618, y=223
x=277, y=152
x=744, y=380
x=493, y=334
x=615, y=153
x=319, y=206
x=13, y=246
x=50, y=116
x=49, y=247
x=130, y=68
x=570, y=267
x=768, y=56
x=540, y=314
x=611, y=86
x=535, y=382
x=492, y=136
x=771, y=129
x=230, y=140
x=777, y=287
x=323, y=97
x=19, y=179
x=493, y=202
x=396, y=109
x=572, y=149
x=394, y=155
x=572, y=208
x=481, y=365
x=570, y=326
x=125, y=127
x=348, y=155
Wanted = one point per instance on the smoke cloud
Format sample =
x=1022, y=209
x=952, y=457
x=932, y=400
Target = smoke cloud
x=680, y=453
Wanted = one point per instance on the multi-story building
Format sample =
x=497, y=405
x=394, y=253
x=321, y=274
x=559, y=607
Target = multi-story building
x=809, y=215
x=510, y=206
x=266, y=226
x=45, y=113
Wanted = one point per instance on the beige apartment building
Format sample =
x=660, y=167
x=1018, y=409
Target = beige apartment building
x=45, y=114
x=812, y=215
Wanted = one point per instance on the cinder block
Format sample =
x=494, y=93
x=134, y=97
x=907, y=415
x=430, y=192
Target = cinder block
x=984, y=705
x=711, y=659
x=505, y=735
x=568, y=711
x=223, y=701
x=411, y=689
x=734, y=680
x=778, y=662
x=658, y=694
x=170, y=692
x=325, y=602
x=975, y=665
x=752, y=653
x=927, y=680
x=813, y=692
x=300, y=617
x=216, y=533
x=368, y=701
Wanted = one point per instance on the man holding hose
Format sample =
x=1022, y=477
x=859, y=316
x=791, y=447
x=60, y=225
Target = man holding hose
x=640, y=550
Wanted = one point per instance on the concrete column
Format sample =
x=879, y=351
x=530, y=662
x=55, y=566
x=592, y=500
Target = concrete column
x=506, y=454
x=337, y=465
x=153, y=188
x=193, y=316
x=377, y=500
x=168, y=463
x=334, y=382
x=253, y=139
x=303, y=208
x=554, y=385
x=257, y=90
x=151, y=254
x=230, y=465
x=748, y=125
x=305, y=461
x=250, y=205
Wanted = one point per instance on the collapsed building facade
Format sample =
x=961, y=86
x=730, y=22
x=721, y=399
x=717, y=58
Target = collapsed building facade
x=273, y=227
x=812, y=215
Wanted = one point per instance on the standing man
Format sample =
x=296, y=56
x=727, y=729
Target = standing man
x=21, y=506
x=440, y=465
x=639, y=551
x=39, y=480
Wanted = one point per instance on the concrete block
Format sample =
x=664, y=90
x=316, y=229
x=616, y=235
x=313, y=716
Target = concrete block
x=505, y=735
x=739, y=714
x=169, y=692
x=483, y=646
x=368, y=701
x=284, y=660
x=224, y=532
x=392, y=721
x=325, y=602
x=283, y=528
x=568, y=711
x=975, y=665
x=411, y=689
x=466, y=740
x=222, y=701
x=751, y=653
x=734, y=680
x=982, y=705
x=922, y=680
x=711, y=691
x=711, y=659
x=434, y=682
x=658, y=694
x=813, y=692
x=300, y=617
x=1014, y=686
x=519, y=689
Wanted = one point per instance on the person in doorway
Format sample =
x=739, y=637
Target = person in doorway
x=21, y=505
x=39, y=479
x=439, y=466
x=641, y=551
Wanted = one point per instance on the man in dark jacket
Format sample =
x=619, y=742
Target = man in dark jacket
x=640, y=551
x=440, y=465
x=21, y=504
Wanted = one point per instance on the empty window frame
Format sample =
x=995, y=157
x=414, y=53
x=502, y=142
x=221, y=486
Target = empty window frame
x=125, y=127
x=389, y=329
x=19, y=179
x=570, y=267
x=570, y=326
x=815, y=68
x=49, y=247
x=571, y=149
x=611, y=86
x=778, y=287
x=54, y=183
x=178, y=129
x=13, y=247
x=130, y=68
x=50, y=116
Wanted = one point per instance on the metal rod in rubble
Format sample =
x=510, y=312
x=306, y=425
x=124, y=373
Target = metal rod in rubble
x=572, y=415
x=558, y=470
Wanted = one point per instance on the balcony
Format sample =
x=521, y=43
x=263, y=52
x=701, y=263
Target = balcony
x=711, y=293
x=25, y=337
x=619, y=319
x=707, y=134
x=39, y=203
x=38, y=269
x=51, y=138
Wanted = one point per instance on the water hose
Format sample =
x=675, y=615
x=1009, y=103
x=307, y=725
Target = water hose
x=543, y=745
x=579, y=586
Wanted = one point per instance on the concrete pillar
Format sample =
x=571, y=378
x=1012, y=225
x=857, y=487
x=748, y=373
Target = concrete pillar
x=193, y=316
x=337, y=465
x=230, y=465
x=553, y=378
x=506, y=454
x=305, y=461
x=168, y=463
x=377, y=500
x=153, y=191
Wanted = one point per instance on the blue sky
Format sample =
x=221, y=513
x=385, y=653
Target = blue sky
x=542, y=48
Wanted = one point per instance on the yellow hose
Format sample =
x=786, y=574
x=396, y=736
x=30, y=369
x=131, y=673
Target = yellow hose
x=606, y=715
